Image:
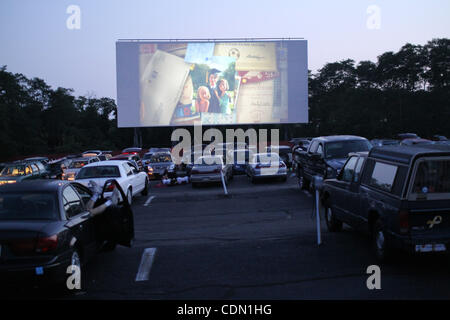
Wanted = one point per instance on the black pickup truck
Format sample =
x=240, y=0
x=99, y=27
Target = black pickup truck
x=398, y=194
x=326, y=156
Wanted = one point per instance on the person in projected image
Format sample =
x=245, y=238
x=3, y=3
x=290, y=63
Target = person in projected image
x=222, y=96
x=214, y=105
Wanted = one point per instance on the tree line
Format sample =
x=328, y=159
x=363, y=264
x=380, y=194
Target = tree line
x=404, y=91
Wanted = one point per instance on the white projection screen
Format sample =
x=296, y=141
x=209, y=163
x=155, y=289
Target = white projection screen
x=223, y=82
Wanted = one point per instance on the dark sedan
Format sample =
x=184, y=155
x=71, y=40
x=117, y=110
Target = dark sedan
x=45, y=227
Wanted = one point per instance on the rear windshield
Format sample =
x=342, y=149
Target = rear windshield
x=209, y=161
x=99, y=172
x=432, y=176
x=78, y=164
x=341, y=149
x=28, y=206
x=266, y=158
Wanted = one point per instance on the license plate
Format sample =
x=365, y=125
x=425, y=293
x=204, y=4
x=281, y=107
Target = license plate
x=438, y=247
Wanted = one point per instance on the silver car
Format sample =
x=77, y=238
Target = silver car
x=76, y=165
x=210, y=169
x=266, y=165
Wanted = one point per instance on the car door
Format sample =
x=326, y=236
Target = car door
x=309, y=167
x=342, y=193
x=354, y=194
x=79, y=220
x=116, y=223
x=128, y=178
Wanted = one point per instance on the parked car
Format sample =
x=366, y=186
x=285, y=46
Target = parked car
x=45, y=227
x=266, y=165
x=95, y=152
x=210, y=169
x=302, y=143
x=411, y=141
x=401, y=136
x=23, y=170
x=134, y=150
x=56, y=168
x=76, y=165
x=130, y=157
x=105, y=155
x=326, y=156
x=132, y=181
x=384, y=142
x=285, y=153
x=160, y=164
x=241, y=159
x=398, y=194
x=439, y=138
x=44, y=160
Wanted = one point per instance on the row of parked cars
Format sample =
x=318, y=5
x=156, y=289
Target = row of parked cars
x=398, y=193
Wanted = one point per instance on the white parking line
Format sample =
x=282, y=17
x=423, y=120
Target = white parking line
x=149, y=200
x=146, y=264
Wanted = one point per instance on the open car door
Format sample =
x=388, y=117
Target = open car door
x=116, y=223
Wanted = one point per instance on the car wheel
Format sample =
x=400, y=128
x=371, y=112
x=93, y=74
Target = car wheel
x=130, y=196
x=145, y=191
x=69, y=285
x=379, y=243
x=333, y=224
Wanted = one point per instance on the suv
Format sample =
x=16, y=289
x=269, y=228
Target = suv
x=326, y=156
x=23, y=170
x=399, y=194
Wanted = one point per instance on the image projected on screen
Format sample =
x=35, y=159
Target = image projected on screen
x=212, y=83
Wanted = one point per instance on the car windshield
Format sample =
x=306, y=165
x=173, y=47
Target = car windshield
x=433, y=176
x=13, y=171
x=341, y=149
x=99, y=172
x=28, y=206
x=78, y=164
x=161, y=158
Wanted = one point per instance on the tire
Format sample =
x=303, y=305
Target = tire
x=379, y=244
x=145, y=191
x=76, y=261
x=129, y=197
x=333, y=224
x=303, y=183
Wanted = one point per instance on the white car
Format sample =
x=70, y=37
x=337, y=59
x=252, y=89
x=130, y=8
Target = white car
x=132, y=181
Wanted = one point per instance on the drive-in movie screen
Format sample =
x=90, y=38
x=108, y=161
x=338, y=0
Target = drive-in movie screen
x=176, y=83
x=229, y=160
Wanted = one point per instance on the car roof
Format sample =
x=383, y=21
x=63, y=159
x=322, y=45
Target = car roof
x=406, y=154
x=106, y=163
x=41, y=185
x=339, y=138
x=82, y=159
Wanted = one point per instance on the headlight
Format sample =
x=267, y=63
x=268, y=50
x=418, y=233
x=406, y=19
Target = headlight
x=172, y=167
x=149, y=169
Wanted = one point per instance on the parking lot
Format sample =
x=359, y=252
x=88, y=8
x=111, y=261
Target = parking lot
x=259, y=242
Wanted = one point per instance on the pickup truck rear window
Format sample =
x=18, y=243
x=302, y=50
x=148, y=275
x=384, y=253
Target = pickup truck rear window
x=341, y=149
x=432, y=176
x=383, y=176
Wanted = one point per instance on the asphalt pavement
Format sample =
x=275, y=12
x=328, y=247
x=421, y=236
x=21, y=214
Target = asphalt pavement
x=257, y=242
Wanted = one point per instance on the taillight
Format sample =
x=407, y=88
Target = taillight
x=110, y=187
x=258, y=166
x=47, y=244
x=403, y=221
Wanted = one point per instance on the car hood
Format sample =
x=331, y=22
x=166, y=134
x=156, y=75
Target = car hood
x=16, y=178
x=336, y=163
x=160, y=164
x=72, y=170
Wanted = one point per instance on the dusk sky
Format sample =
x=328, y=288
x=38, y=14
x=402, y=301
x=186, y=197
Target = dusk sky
x=35, y=39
